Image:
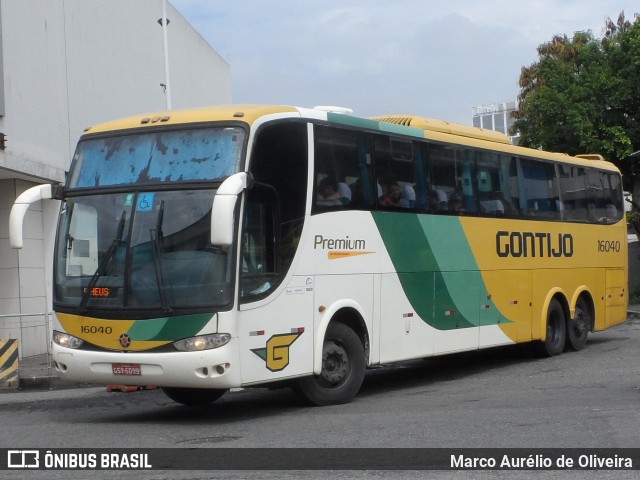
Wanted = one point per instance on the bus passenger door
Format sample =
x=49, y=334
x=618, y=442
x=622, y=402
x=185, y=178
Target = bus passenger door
x=275, y=319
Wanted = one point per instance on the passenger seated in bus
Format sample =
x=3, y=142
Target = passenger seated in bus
x=492, y=206
x=407, y=196
x=559, y=209
x=457, y=203
x=328, y=193
x=392, y=196
x=439, y=200
x=611, y=214
x=612, y=211
x=357, y=194
x=344, y=193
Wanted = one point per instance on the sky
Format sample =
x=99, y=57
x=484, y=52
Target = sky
x=432, y=58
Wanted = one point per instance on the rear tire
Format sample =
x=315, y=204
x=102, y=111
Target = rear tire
x=193, y=397
x=578, y=327
x=343, y=369
x=556, y=332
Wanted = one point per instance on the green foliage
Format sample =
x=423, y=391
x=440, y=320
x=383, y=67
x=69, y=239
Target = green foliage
x=583, y=96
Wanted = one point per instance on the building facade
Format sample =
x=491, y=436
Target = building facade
x=66, y=65
x=496, y=116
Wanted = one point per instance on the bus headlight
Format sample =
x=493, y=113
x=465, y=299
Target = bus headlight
x=203, y=342
x=66, y=340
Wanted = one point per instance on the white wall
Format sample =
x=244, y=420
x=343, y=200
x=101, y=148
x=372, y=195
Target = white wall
x=36, y=120
x=67, y=65
x=115, y=62
x=74, y=63
x=23, y=275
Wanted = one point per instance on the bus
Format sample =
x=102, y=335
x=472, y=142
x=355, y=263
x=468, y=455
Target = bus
x=246, y=245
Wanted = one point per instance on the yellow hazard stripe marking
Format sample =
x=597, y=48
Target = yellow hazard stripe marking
x=8, y=360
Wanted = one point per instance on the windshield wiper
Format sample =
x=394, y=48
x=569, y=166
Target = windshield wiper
x=156, y=238
x=102, y=266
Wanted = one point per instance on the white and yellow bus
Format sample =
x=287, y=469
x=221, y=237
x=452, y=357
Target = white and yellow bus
x=238, y=246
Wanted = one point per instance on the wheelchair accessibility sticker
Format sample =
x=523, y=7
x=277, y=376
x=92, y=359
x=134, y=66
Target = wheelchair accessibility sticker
x=145, y=202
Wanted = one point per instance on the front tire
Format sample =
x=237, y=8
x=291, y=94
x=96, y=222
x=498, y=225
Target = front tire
x=343, y=369
x=193, y=397
x=578, y=327
x=556, y=332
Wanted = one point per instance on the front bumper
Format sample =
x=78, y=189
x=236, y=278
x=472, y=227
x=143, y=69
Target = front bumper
x=215, y=368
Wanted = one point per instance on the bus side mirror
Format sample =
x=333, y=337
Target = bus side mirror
x=21, y=205
x=224, y=207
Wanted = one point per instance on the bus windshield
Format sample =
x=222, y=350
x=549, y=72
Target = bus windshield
x=147, y=250
x=157, y=157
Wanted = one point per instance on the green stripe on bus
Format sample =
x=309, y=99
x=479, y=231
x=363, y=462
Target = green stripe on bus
x=169, y=329
x=446, y=295
x=369, y=124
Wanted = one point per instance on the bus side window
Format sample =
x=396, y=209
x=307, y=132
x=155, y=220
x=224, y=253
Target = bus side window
x=442, y=164
x=574, y=198
x=614, y=197
x=453, y=187
x=398, y=166
x=541, y=190
x=342, y=178
x=603, y=194
x=493, y=185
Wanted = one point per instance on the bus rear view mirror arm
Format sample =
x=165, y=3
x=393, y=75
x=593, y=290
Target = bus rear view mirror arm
x=224, y=205
x=21, y=205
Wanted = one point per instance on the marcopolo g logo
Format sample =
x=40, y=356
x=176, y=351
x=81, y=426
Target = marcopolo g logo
x=125, y=340
x=276, y=353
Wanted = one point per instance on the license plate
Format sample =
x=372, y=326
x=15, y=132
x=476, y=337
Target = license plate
x=126, y=369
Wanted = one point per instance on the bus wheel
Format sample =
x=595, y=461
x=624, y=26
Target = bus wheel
x=556, y=332
x=578, y=326
x=343, y=368
x=193, y=397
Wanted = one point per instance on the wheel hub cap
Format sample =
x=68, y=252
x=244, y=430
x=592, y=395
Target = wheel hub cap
x=335, y=363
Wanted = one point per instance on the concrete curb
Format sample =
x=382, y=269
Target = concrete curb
x=633, y=314
x=43, y=382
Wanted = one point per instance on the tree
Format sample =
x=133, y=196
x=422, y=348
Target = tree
x=583, y=96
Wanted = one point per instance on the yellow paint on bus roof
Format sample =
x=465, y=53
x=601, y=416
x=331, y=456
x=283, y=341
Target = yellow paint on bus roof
x=243, y=113
x=448, y=132
x=587, y=160
x=443, y=126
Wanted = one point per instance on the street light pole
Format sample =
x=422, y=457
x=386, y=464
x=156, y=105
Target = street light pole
x=164, y=23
